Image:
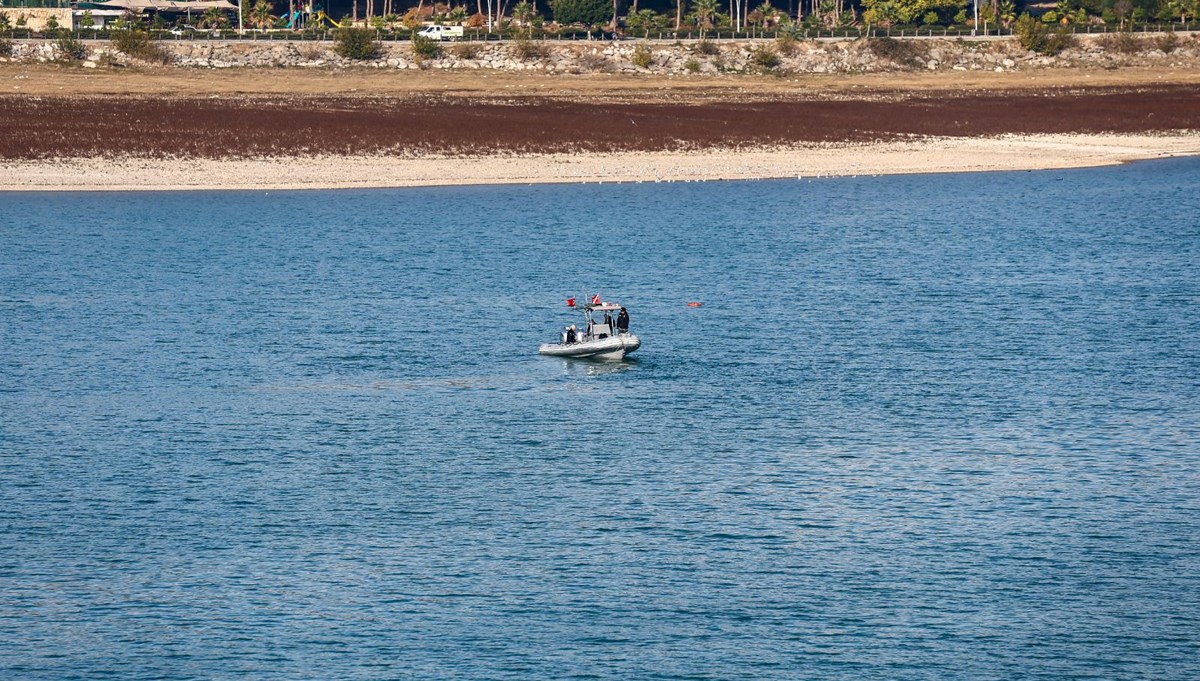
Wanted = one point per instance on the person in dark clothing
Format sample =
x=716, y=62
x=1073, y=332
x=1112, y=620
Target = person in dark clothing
x=623, y=321
x=570, y=334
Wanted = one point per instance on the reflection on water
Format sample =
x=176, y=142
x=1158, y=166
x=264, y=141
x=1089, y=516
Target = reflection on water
x=586, y=367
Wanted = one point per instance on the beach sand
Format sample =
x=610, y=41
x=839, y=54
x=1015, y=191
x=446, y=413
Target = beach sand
x=934, y=155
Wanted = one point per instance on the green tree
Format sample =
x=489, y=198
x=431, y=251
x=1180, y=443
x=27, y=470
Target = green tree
x=883, y=14
x=912, y=11
x=642, y=20
x=52, y=22
x=1182, y=9
x=586, y=12
x=86, y=21
x=4, y=25
x=260, y=14
x=704, y=11
x=987, y=15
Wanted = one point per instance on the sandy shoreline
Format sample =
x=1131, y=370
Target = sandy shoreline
x=942, y=155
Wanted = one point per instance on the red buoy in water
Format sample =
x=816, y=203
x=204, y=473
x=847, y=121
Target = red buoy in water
x=695, y=304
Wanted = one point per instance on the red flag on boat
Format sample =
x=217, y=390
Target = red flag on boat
x=570, y=302
x=596, y=299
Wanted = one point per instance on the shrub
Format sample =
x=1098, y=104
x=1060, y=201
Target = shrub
x=1168, y=42
x=707, y=48
x=466, y=50
x=139, y=44
x=642, y=56
x=6, y=47
x=528, y=50
x=898, y=52
x=1123, y=42
x=424, y=47
x=595, y=63
x=1059, y=40
x=70, y=48
x=1033, y=35
x=692, y=65
x=787, y=44
x=765, y=57
x=358, y=44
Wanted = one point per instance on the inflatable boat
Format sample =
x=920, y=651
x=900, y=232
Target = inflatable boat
x=598, y=339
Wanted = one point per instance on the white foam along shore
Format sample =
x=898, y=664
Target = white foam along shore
x=940, y=155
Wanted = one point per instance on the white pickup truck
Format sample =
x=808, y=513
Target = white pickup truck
x=442, y=32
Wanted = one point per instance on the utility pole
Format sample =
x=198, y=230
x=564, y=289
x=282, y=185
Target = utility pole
x=975, y=26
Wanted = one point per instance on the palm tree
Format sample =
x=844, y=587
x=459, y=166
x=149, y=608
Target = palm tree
x=642, y=20
x=1008, y=13
x=523, y=13
x=769, y=14
x=260, y=14
x=704, y=10
x=213, y=18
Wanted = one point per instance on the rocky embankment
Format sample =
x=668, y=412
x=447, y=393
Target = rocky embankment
x=632, y=56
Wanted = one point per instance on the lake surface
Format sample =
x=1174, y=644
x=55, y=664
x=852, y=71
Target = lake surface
x=925, y=427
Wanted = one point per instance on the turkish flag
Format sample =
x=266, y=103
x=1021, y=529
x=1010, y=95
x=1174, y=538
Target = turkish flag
x=570, y=302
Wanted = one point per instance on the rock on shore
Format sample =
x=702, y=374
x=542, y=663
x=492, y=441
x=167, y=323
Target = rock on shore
x=724, y=57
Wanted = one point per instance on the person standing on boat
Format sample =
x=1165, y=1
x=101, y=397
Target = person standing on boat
x=570, y=334
x=623, y=321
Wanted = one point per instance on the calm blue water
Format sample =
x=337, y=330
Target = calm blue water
x=923, y=428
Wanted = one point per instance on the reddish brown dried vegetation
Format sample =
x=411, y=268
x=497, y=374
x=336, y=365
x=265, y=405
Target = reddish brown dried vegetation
x=244, y=127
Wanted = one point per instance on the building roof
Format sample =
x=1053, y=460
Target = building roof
x=171, y=5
